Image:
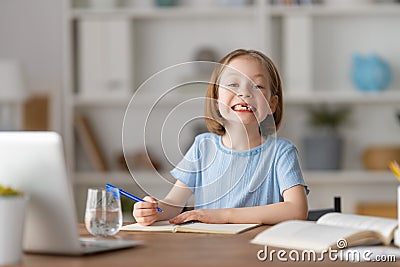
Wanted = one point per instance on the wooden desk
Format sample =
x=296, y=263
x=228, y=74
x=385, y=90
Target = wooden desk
x=174, y=249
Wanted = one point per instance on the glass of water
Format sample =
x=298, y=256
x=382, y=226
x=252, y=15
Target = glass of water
x=103, y=216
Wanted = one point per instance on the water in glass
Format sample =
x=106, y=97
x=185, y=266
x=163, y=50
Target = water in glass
x=103, y=216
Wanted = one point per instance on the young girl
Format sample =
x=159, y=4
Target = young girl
x=237, y=172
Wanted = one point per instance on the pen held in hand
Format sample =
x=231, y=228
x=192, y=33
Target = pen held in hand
x=128, y=195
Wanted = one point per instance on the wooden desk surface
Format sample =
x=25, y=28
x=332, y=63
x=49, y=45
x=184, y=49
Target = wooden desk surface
x=174, y=249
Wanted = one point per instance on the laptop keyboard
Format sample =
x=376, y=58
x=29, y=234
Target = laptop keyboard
x=98, y=243
x=93, y=243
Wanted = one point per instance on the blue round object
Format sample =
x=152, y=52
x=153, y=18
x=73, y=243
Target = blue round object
x=370, y=73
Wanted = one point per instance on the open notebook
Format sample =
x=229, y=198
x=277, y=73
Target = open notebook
x=196, y=227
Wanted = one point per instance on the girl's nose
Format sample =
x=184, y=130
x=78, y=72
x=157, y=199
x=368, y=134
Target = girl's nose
x=244, y=91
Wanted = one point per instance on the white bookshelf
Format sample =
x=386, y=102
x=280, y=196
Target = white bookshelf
x=162, y=37
x=346, y=97
x=337, y=11
x=355, y=177
x=353, y=186
x=166, y=13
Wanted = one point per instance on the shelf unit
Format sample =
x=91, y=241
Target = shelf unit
x=353, y=186
x=312, y=177
x=162, y=37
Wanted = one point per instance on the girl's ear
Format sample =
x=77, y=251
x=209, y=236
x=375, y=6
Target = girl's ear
x=273, y=103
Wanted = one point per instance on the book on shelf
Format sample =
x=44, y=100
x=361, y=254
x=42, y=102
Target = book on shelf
x=36, y=113
x=104, y=57
x=333, y=230
x=194, y=227
x=90, y=145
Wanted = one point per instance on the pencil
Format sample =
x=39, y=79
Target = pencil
x=395, y=168
x=128, y=195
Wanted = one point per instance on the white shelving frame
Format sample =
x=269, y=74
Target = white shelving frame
x=267, y=20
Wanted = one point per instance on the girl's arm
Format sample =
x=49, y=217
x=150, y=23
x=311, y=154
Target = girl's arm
x=293, y=207
x=145, y=213
x=174, y=202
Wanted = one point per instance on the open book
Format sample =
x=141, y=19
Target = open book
x=333, y=230
x=196, y=227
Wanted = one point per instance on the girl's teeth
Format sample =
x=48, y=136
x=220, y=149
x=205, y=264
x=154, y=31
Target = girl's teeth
x=240, y=108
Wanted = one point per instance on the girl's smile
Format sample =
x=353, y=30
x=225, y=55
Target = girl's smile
x=244, y=107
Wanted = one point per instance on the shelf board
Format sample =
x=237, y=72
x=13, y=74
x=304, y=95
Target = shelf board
x=345, y=97
x=336, y=10
x=93, y=178
x=101, y=101
x=148, y=100
x=186, y=12
x=178, y=12
x=116, y=177
x=341, y=177
x=337, y=97
x=338, y=177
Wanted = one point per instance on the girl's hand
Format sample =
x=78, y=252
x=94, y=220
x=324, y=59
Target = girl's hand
x=145, y=213
x=205, y=216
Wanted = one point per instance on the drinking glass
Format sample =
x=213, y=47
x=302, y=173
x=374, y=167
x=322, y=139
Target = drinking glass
x=103, y=216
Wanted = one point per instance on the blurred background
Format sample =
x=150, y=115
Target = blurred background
x=73, y=66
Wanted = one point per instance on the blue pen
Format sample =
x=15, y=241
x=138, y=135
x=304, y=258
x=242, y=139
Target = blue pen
x=128, y=195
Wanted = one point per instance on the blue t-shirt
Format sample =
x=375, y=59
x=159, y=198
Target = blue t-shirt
x=223, y=178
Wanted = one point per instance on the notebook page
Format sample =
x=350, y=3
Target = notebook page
x=233, y=228
x=161, y=226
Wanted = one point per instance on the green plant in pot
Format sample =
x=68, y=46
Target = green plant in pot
x=323, y=147
x=12, y=210
x=9, y=191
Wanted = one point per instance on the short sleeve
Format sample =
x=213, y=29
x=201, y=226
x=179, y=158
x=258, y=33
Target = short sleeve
x=187, y=170
x=289, y=170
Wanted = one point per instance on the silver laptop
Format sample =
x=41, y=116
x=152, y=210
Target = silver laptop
x=34, y=163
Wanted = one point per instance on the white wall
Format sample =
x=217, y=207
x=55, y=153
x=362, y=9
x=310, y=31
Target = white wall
x=31, y=32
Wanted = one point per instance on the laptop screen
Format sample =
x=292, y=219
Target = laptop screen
x=33, y=162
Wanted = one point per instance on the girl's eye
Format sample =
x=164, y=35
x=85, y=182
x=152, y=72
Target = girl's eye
x=257, y=86
x=231, y=86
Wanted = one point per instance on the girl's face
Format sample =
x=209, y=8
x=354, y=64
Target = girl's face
x=244, y=93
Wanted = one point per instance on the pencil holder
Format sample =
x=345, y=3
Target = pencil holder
x=12, y=222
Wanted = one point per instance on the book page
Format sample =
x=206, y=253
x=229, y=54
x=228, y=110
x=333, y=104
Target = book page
x=306, y=235
x=384, y=226
x=161, y=226
x=233, y=228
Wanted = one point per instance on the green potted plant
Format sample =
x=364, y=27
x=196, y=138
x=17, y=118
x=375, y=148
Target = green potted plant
x=8, y=191
x=323, y=147
x=12, y=210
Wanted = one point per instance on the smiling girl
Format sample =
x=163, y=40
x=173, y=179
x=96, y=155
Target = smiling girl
x=239, y=172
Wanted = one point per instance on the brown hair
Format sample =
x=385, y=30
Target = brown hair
x=214, y=120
